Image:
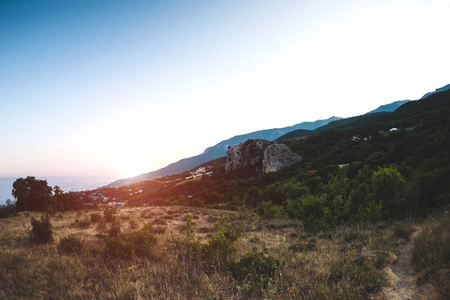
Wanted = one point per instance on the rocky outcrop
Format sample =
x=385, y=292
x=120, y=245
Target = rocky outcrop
x=277, y=156
x=259, y=156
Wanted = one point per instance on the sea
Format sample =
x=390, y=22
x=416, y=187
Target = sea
x=66, y=183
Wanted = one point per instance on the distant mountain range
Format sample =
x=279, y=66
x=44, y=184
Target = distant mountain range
x=442, y=89
x=220, y=150
x=388, y=107
x=280, y=134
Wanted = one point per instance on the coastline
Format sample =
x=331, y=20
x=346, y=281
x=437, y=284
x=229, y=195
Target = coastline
x=66, y=183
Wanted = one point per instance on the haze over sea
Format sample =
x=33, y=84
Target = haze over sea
x=66, y=183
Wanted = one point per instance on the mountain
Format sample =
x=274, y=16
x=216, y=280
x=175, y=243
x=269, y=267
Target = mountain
x=442, y=89
x=220, y=150
x=367, y=118
x=285, y=134
x=388, y=107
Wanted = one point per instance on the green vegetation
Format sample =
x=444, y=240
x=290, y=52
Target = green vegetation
x=41, y=231
x=431, y=254
x=322, y=229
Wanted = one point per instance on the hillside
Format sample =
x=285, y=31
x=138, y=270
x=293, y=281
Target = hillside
x=442, y=89
x=220, y=150
x=367, y=118
x=417, y=151
x=388, y=107
x=362, y=215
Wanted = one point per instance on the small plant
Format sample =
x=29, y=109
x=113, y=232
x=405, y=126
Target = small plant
x=96, y=217
x=124, y=246
x=431, y=255
x=382, y=258
x=114, y=231
x=133, y=224
x=82, y=222
x=217, y=252
x=142, y=242
x=41, y=231
x=303, y=247
x=70, y=244
x=188, y=227
x=256, y=268
x=109, y=214
x=117, y=249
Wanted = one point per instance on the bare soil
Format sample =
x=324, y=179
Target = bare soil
x=401, y=281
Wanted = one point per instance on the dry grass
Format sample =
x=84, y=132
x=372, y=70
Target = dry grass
x=343, y=264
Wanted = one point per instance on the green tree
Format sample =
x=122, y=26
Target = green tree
x=32, y=194
x=389, y=188
x=65, y=201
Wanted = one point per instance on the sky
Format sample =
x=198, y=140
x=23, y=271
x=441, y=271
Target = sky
x=127, y=87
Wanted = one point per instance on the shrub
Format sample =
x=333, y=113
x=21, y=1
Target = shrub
x=133, y=224
x=360, y=271
x=142, y=243
x=109, y=214
x=117, y=249
x=256, y=268
x=382, y=259
x=70, y=244
x=84, y=222
x=431, y=255
x=189, y=226
x=114, y=231
x=217, y=252
x=267, y=210
x=41, y=231
x=213, y=255
x=303, y=247
x=96, y=217
x=124, y=246
x=159, y=221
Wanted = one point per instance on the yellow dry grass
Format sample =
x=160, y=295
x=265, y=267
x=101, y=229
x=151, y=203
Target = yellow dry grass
x=323, y=265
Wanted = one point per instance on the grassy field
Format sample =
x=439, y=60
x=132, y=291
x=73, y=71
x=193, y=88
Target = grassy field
x=193, y=253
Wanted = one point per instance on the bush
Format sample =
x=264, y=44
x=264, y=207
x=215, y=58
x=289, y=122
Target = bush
x=114, y=231
x=83, y=222
x=256, y=268
x=96, y=217
x=358, y=270
x=431, y=255
x=41, y=231
x=303, y=247
x=117, y=249
x=217, y=252
x=124, y=246
x=142, y=243
x=70, y=244
x=109, y=214
x=267, y=210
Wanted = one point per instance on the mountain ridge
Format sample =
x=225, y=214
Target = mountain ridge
x=220, y=150
x=442, y=89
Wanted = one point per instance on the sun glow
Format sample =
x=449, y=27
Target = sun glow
x=130, y=167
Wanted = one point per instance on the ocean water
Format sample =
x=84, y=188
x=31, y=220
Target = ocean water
x=66, y=183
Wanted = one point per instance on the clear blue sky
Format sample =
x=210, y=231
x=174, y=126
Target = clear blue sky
x=126, y=87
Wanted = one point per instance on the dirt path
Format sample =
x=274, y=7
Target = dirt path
x=401, y=277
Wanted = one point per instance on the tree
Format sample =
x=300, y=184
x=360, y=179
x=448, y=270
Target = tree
x=32, y=194
x=389, y=188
